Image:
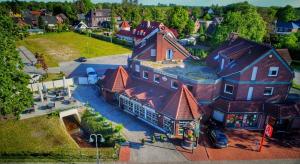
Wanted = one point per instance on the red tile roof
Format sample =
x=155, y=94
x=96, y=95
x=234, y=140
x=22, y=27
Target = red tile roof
x=145, y=28
x=284, y=53
x=124, y=24
x=241, y=50
x=116, y=80
x=182, y=105
x=148, y=94
x=151, y=41
x=237, y=106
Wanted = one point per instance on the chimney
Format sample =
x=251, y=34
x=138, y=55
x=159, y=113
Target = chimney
x=148, y=24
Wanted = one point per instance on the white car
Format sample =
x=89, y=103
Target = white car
x=34, y=78
x=92, y=75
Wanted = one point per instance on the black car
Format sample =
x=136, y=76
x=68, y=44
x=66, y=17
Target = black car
x=217, y=137
x=81, y=59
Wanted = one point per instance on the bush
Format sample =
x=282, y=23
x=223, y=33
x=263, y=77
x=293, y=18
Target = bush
x=153, y=139
x=143, y=141
x=93, y=122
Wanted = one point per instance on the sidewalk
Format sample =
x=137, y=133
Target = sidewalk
x=242, y=147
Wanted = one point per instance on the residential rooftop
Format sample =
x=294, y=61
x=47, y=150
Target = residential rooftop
x=190, y=70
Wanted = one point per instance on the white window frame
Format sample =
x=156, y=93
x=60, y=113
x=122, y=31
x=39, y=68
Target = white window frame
x=271, y=69
x=153, y=52
x=144, y=74
x=172, y=86
x=272, y=89
x=254, y=73
x=171, y=54
x=226, y=87
x=155, y=75
x=137, y=68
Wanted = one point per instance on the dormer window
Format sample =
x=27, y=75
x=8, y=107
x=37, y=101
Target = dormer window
x=174, y=84
x=273, y=71
x=156, y=78
x=169, y=55
x=153, y=52
x=145, y=75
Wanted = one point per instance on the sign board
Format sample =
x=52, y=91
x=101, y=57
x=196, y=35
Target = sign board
x=269, y=130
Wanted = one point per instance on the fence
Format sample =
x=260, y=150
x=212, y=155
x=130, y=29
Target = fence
x=51, y=84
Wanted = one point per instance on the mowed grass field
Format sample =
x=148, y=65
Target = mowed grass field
x=66, y=46
x=43, y=138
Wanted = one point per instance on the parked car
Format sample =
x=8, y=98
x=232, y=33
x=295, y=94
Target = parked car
x=92, y=75
x=217, y=138
x=34, y=78
x=81, y=59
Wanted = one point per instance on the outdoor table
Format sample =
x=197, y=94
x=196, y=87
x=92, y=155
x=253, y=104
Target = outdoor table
x=50, y=105
x=59, y=98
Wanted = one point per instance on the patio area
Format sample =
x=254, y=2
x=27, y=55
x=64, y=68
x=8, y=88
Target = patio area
x=47, y=101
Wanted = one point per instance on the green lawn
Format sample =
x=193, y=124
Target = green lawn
x=43, y=139
x=59, y=47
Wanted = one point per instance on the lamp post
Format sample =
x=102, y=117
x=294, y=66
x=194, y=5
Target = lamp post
x=96, y=138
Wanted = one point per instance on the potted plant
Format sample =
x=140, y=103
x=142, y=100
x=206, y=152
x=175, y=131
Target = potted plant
x=143, y=141
x=153, y=139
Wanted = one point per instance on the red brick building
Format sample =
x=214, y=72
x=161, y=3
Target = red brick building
x=233, y=86
x=143, y=30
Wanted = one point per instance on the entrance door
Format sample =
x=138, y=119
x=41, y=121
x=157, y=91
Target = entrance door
x=250, y=93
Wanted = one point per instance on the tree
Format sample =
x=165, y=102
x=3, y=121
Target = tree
x=207, y=17
x=196, y=12
x=249, y=25
x=190, y=27
x=14, y=94
x=288, y=13
x=41, y=22
x=83, y=6
x=289, y=41
x=178, y=18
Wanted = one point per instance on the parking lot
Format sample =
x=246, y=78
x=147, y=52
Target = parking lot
x=100, y=64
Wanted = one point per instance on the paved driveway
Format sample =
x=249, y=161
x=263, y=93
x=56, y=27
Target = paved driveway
x=100, y=64
x=134, y=129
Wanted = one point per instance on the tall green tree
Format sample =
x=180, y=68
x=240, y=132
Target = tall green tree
x=197, y=12
x=14, y=94
x=190, y=27
x=287, y=13
x=178, y=18
x=249, y=25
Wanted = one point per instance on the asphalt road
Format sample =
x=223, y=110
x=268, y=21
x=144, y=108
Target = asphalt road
x=100, y=64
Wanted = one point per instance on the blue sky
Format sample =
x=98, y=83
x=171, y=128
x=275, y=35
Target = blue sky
x=294, y=3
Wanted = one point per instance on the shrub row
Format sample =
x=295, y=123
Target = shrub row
x=107, y=38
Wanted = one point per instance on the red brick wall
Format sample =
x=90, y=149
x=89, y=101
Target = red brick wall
x=162, y=46
x=279, y=92
x=263, y=70
x=206, y=91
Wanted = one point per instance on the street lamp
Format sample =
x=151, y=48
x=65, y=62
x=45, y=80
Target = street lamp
x=96, y=137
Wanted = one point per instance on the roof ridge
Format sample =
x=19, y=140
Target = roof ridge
x=188, y=93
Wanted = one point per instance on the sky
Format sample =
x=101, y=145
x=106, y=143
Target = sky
x=264, y=3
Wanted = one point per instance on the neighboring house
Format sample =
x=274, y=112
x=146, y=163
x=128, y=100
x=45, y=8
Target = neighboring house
x=144, y=29
x=124, y=26
x=211, y=28
x=81, y=17
x=61, y=18
x=210, y=11
x=99, y=17
x=188, y=41
x=164, y=86
x=50, y=21
x=81, y=26
x=282, y=27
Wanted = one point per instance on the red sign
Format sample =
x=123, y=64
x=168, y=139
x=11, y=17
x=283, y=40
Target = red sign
x=269, y=130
